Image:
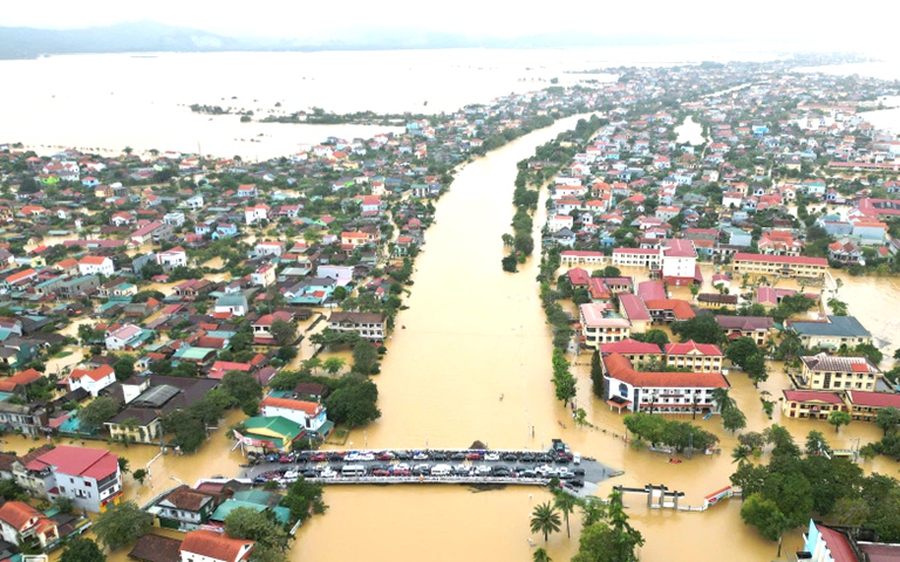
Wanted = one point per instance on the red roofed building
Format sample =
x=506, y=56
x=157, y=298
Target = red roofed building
x=810, y=404
x=19, y=521
x=578, y=277
x=219, y=368
x=210, y=546
x=308, y=415
x=96, y=265
x=669, y=310
x=865, y=405
x=658, y=392
x=578, y=257
x=694, y=356
x=90, y=477
x=93, y=380
x=19, y=381
x=637, y=352
x=599, y=327
x=632, y=307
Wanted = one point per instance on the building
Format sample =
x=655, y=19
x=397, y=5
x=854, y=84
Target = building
x=127, y=336
x=20, y=522
x=96, y=265
x=210, y=546
x=827, y=543
x=658, y=392
x=694, y=356
x=773, y=266
x=170, y=259
x=864, y=405
x=810, y=404
x=235, y=305
x=263, y=434
x=263, y=276
x=308, y=415
x=832, y=333
x=184, y=508
x=679, y=263
x=633, y=308
x=639, y=353
x=829, y=372
x=598, y=327
x=90, y=477
x=756, y=328
x=91, y=380
x=369, y=325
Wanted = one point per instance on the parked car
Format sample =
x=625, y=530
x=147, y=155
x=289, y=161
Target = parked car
x=318, y=457
x=473, y=456
x=526, y=457
x=511, y=457
x=403, y=456
x=385, y=456
x=366, y=457
x=492, y=456
x=420, y=456
x=458, y=456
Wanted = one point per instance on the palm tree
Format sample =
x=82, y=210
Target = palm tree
x=544, y=519
x=566, y=503
x=725, y=402
x=540, y=555
x=741, y=455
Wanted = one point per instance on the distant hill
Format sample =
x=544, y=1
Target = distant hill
x=148, y=36
x=137, y=37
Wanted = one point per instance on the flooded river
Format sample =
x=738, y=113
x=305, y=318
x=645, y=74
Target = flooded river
x=473, y=334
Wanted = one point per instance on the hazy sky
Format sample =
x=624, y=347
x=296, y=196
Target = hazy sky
x=783, y=21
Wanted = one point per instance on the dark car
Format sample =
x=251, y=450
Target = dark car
x=439, y=456
x=259, y=480
x=510, y=457
x=309, y=473
x=335, y=456
x=526, y=457
x=578, y=471
x=403, y=456
x=458, y=456
x=543, y=457
x=272, y=457
x=562, y=460
x=576, y=482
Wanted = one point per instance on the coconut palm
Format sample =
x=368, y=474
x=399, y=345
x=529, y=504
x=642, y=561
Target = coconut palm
x=544, y=519
x=720, y=397
x=741, y=455
x=540, y=555
x=566, y=503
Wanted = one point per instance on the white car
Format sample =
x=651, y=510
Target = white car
x=291, y=474
x=366, y=457
x=351, y=457
x=328, y=473
x=492, y=457
x=482, y=470
x=420, y=457
x=576, y=458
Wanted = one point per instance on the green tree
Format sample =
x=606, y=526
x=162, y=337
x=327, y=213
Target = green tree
x=64, y=504
x=540, y=555
x=122, y=524
x=837, y=418
x=565, y=502
x=92, y=416
x=545, y=520
x=284, y=332
x=365, y=358
x=140, y=475
x=740, y=350
x=563, y=380
x=124, y=367
x=242, y=386
x=304, y=498
x=766, y=517
x=333, y=364
x=259, y=526
x=597, y=382
x=701, y=329
x=10, y=490
x=887, y=419
x=733, y=419
x=189, y=431
x=816, y=444
x=80, y=549
x=354, y=402
x=124, y=465
x=658, y=337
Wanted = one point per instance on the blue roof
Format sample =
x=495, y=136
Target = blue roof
x=841, y=326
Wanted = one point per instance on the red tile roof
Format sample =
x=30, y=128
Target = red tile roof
x=811, y=396
x=680, y=309
x=218, y=546
x=311, y=408
x=619, y=367
x=17, y=514
x=792, y=260
x=691, y=345
x=873, y=399
x=840, y=548
x=78, y=461
x=629, y=346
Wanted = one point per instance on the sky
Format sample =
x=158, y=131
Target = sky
x=784, y=21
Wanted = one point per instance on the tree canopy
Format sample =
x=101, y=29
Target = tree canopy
x=122, y=524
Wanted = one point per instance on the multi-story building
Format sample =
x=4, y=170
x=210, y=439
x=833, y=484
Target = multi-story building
x=831, y=333
x=639, y=353
x=170, y=259
x=90, y=477
x=864, y=405
x=369, y=325
x=658, y=392
x=828, y=372
x=756, y=328
x=210, y=546
x=184, y=508
x=96, y=265
x=785, y=266
x=694, y=356
x=812, y=404
x=598, y=327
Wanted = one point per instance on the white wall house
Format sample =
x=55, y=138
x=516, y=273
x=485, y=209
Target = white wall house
x=172, y=258
x=96, y=265
x=309, y=415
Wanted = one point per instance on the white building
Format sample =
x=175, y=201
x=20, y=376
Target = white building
x=255, y=214
x=268, y=249
x=659, y=392
x=342, y=274
x=172, y=258
x=210, y=546
x=96, y=265
x=195, y=203
x=93, y=381
x=679, y=262
x=90, y=477
x=309, y=415
x=175, y=219
x=264, y=276
x=123, y=337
